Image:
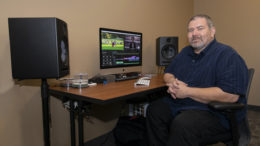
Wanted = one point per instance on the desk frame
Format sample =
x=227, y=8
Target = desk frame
x=115, y=91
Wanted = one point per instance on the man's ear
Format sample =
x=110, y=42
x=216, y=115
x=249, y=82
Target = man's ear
x=213, y=31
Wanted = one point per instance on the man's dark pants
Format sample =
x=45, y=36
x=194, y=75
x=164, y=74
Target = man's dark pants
x=185, y=129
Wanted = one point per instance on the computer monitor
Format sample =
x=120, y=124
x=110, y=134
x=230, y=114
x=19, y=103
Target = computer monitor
x=120, y=48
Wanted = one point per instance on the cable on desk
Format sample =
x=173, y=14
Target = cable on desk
x=160, y=69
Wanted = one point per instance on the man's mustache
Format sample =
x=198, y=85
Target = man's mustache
x=195, y=37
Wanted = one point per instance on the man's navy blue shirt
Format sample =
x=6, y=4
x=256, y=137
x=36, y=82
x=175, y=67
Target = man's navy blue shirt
x=218, y=65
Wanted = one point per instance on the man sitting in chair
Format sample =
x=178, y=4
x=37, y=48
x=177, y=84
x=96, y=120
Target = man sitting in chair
x=203, y=72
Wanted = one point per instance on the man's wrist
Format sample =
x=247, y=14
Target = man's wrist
x=189, y=91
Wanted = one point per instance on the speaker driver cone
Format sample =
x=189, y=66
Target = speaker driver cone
x=168, y=51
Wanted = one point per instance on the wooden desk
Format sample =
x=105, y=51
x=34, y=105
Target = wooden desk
x=102, y=94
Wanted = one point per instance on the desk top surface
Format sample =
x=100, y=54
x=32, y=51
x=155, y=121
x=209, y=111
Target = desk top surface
x=103, y=93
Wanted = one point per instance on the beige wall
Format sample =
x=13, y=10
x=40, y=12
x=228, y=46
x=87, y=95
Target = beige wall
x=237, y=23
x=20, y=102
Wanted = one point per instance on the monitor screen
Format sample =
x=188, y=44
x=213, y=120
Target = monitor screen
x=120, y=48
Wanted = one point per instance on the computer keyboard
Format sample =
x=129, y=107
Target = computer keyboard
x=142, y=82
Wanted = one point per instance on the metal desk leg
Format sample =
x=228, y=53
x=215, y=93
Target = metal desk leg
x=45, y=111
x=72, y=123
x=80, y=123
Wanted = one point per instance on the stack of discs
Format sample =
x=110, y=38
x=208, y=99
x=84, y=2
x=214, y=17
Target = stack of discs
x=80, y=83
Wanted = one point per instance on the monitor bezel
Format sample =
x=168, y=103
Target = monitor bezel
x=119, y=31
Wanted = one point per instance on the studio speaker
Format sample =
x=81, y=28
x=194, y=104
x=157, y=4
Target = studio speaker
x=166, y=50
x=39, y=48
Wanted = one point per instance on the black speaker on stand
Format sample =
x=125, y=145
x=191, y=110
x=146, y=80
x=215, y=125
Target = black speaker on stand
x=39, y=50
x=166, y=50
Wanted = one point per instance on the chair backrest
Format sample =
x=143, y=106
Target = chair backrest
x=251, y=72
x=244, y=129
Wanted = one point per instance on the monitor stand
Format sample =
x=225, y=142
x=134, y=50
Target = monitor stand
x=127, y=76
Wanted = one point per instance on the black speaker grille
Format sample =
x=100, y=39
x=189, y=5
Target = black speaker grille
x=168, y=52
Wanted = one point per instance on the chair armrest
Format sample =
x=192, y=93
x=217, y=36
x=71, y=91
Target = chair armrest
x=223, y=106
x=229, y=110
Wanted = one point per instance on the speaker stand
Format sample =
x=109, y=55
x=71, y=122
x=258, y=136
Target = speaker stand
x=45, y=111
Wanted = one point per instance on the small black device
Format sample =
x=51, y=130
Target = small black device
x=126, y=76
x=120, y=48
x=97, y=79
x=39, y=48
x=166, y=50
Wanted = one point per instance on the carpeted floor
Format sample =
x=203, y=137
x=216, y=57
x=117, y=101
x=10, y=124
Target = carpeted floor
x=254, y=123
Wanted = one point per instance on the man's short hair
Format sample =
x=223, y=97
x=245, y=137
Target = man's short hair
x=208, y=19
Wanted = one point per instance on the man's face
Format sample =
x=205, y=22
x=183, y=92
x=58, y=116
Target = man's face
x=199, y=34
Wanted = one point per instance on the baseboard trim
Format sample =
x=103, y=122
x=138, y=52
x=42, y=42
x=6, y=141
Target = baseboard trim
x=254, y=107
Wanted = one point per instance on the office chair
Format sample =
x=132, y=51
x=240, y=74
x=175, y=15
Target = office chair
x=239, y=134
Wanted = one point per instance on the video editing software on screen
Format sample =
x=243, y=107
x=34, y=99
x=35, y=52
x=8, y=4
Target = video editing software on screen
x=120, y=49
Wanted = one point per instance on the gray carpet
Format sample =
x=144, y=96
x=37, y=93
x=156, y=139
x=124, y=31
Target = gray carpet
x=254, y=124
x=253, y=118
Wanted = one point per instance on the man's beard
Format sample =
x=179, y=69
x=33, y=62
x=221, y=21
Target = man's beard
x=199, y=44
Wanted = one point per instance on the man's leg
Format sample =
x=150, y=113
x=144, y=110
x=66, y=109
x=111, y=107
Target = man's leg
x=190, y=126
x=159, y=118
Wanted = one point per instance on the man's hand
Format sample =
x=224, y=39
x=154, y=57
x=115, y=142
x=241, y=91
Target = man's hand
x=177, y=89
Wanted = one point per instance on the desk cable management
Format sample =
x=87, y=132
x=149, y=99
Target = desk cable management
x=86, y=109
